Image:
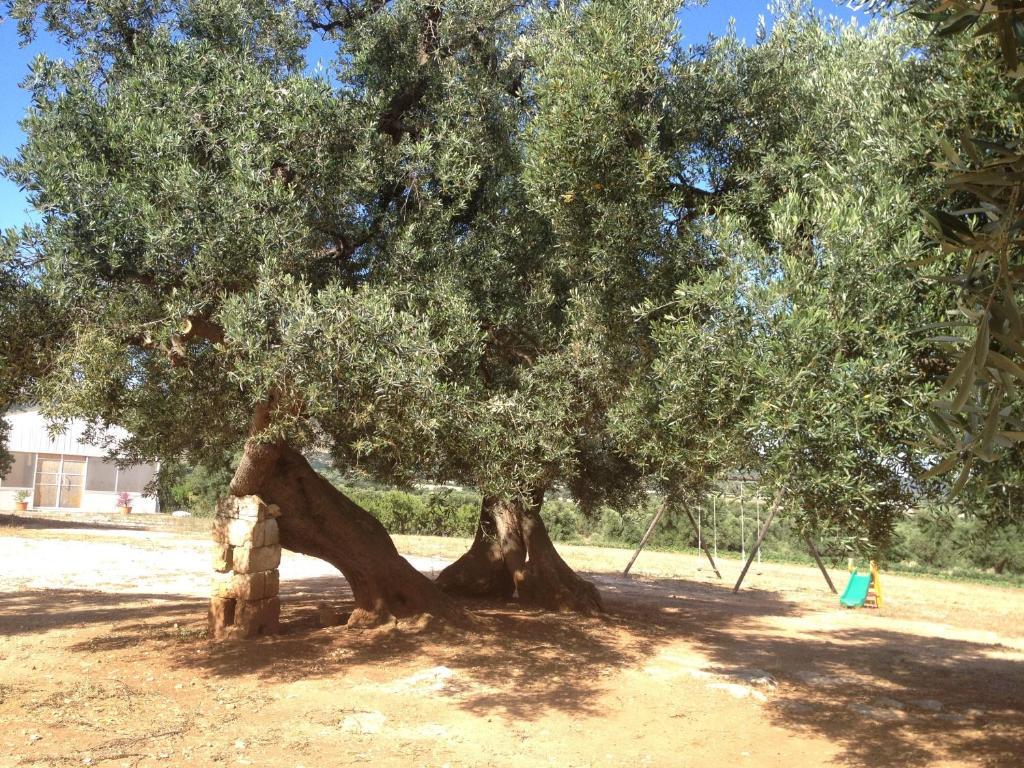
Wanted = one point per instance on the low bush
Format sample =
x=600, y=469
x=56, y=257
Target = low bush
x=938, y=539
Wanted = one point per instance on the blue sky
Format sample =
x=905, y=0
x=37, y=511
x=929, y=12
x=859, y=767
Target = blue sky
x=696, y=24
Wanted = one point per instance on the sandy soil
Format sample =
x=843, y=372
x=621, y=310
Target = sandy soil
x=104, y=661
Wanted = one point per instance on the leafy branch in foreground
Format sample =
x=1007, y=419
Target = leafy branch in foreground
x=978, y=414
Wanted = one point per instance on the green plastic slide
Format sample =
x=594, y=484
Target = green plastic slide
x=856, y=591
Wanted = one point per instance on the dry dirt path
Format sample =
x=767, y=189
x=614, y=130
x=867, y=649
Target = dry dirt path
x=104, y=661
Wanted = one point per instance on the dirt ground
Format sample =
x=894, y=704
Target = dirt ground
x=104, y=661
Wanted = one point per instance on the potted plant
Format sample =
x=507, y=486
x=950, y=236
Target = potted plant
x=124, y=503
x=21, y=501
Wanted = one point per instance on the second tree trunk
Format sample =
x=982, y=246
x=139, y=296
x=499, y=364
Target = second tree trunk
x=513, y=553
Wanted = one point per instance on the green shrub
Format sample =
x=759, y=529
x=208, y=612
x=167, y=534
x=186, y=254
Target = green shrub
x=562, y=520
x=420, y=514
x=196, y=489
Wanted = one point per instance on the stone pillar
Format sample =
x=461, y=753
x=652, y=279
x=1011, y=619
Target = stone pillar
x=247, y=550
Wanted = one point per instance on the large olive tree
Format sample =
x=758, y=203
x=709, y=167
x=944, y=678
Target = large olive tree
x=228, y=239
x=425, y=265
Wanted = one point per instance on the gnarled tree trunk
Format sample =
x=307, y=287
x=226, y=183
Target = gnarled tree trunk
x=512, y=553
x=481, y=572
x=320, y=521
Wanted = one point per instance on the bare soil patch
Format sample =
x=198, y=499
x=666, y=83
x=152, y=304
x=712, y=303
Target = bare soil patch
x=104, y=661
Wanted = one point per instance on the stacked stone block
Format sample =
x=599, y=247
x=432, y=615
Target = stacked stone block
x=247, y=550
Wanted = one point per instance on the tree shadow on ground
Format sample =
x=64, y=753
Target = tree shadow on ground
x=885, y=697
x=41, y=610
x=890, y=698
x=515, y=661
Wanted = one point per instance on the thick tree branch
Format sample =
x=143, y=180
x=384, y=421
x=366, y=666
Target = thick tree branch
x=199, y=327
x=342, y=16
x=259, y=457
x=390, y=121
x=193, y=328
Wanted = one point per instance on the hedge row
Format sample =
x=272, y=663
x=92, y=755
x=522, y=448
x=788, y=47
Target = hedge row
x=932, y=540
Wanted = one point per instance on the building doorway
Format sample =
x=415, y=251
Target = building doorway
x=59, y=482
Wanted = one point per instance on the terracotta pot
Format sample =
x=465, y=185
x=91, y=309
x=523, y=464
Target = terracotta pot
x=125, y=510
x=21, y=506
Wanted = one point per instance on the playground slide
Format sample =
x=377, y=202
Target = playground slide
x=856, y=591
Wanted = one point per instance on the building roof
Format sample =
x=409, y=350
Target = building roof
x=30, y=434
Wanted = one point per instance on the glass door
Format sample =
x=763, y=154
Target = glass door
x=59, y=482
x=72, y=480
x=47, y=481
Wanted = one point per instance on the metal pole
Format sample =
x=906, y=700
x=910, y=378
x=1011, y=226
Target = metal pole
x=743, y=528
x=821, y=565
x=757, y=508
x=760, y=538
x=714, y=512
x=699, y=545
x=647, y=535
x=704, y=549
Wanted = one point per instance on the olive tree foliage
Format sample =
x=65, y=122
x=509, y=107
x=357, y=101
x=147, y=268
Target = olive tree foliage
x=426, y=265
x=9, y=384
x=981, y=223
x=222, y=230
x=978, y=414
x=799, y=357
x=574, y=241
x=29, y=329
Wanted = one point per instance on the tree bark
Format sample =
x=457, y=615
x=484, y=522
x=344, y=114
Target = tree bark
x=513, y=553
x=481, y=572
x=320, y=521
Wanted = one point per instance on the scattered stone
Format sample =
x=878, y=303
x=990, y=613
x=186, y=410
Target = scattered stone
x=757, y=678
x=932, y=705
x=890, y=703
x=818, y=680
x=434, y=731
x=877, y=713
x=798, y=707
x=434, y=679
x=738, y=691
x=363, y=722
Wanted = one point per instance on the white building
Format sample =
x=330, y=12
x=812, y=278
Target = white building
x=62, y=472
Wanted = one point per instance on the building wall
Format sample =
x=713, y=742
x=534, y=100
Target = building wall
x=29, y=436
x=92, y=501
